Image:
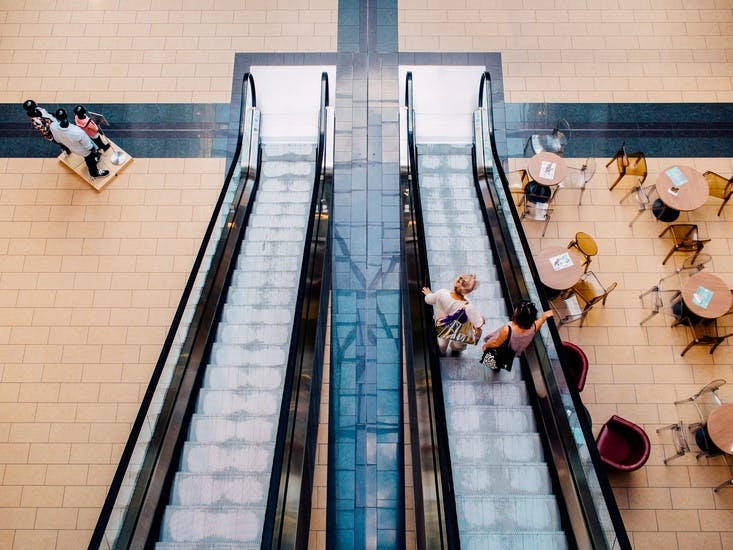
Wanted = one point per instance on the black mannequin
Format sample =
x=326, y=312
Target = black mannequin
x=41, y=121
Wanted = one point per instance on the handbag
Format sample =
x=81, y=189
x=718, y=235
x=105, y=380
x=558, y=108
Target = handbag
x=501, y=357
x=457, y=327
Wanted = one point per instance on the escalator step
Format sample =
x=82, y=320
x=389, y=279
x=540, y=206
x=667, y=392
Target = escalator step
x=242, y=429
x=277, y=208
x=499, y=393
x=252, y=356
x=204, y=525
x=263, y=312
x=220, y=489
x=496, y=448
x=208, y=458
x=502, y=479
x=488, y=419
x=469, y=369
x=254, y=331
x=251, y=296
x=289, y=151
x=509, y=512
x=228, y=402
x=265, y=279
x=505, y=540
x=256, y=376
x=287, y=234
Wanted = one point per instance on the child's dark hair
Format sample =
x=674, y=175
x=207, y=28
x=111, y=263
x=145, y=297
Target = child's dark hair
x=525, y=314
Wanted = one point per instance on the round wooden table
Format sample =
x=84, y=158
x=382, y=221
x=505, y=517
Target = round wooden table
x=679, y=188
x=720, y=427
x=558, y=267
x=547, y=168
x=706, y=295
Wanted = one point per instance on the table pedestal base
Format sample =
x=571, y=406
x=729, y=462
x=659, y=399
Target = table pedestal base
x=663, y=212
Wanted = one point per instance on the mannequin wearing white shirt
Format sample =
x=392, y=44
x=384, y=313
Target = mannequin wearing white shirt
x=77, y=141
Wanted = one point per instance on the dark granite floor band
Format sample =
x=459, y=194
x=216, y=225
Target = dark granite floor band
x=178, y=130
x=172, y=130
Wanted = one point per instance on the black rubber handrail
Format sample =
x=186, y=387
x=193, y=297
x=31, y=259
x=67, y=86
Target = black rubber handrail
x=435, y=508
x=167, y=416
x=287, y=520
x=580, y=510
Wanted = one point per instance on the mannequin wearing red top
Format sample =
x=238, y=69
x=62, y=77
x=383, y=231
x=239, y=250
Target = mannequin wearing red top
x=90, y=127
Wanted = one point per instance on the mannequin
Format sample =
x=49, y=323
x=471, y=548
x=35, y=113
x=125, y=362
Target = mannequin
x=75, y=139
x=90, y=127
x=41, y=120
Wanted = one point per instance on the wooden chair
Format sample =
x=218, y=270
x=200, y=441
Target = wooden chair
x=704, y=334
x=586, y=245
x=720, y=187
x=685, y=238
x=518, y=181
x=589, y=290
x=628, y=164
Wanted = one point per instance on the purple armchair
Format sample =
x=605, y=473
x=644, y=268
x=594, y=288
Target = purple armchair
x=576, y=366
x=623, y=445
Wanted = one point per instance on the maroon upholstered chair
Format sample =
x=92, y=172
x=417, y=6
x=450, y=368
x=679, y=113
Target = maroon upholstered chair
x=576, y=366
x=623, y=445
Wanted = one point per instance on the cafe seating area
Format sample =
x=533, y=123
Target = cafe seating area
x=639, y=364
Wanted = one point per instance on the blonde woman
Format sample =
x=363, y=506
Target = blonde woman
x=446, y=302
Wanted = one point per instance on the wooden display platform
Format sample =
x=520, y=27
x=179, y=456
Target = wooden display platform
x=114, y=153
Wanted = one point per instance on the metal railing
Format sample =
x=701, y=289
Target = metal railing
x=435, y=508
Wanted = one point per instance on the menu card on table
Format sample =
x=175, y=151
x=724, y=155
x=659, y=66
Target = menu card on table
x=702, y=297
x=676, y=176
x=561, y=261
x=547, y=170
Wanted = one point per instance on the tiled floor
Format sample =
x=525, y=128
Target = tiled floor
x=637, y=371
x=88, y=282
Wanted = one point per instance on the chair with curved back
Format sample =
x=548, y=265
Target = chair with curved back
x=704, y=334
x=683, y=433
x=720, y=187
x=518, y=181
x=576, y=366
x=706, y=398
x=643, y=195
x=589, y=290
x=622, y=445
x=592, y=290
x=685, y=238
x=586, y=245
x=537, y=202
x=662, y=301
x=628, y=164
x=552, y=142
x=669, y=301
x=578, y=178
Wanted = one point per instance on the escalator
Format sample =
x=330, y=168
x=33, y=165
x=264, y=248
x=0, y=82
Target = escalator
x=502, y=459
x=223, y=450
x=503, y=490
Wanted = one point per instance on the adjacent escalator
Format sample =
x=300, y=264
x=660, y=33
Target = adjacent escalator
x=223, y=450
